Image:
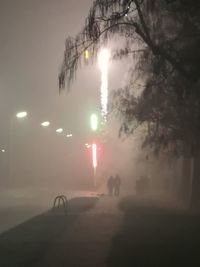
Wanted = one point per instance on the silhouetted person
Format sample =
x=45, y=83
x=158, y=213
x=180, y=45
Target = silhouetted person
x=110, y=185
x=117, y=184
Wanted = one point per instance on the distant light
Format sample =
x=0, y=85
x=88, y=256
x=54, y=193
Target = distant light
x=59, y=130
x=126, y=14
x=87, y=145
x=3, y=150
x=86, y=54
x=69, y=135
x=21, y=114
x=94, y=122
x=94, y=155
x=45, y=123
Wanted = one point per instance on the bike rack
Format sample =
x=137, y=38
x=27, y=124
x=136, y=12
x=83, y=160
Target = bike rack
x=60, y=201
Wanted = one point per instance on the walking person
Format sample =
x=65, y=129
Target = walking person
x=117, y=185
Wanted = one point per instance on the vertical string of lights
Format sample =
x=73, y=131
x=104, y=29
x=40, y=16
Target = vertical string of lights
x=103, y=64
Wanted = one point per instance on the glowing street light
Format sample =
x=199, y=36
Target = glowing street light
x=45, y=124
x=86, y=54
x=69, y=135
x=94, y=122
x=21, y=114
x=59, y=130
x=3, y=150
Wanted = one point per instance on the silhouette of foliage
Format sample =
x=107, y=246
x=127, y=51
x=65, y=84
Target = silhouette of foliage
x=167, y=33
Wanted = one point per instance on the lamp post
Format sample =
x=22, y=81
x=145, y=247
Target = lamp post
x=94, y=127
x=20, y=115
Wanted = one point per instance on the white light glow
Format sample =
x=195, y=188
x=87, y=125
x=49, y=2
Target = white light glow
x=3, y=150
x=21, y=114
x=59, y=130
x=45, y=123
x=94, y=122
x=103, y=64
x=69, y=135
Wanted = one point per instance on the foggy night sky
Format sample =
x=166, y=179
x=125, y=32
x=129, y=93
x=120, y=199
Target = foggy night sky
x=32, y=42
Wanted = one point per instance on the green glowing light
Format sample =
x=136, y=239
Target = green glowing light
x=94, y=122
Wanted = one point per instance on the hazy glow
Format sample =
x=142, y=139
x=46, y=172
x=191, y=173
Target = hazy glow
x=21, y=114
x=45, y=123
x=103, y=64
x=3, y=150
x=86, y=54
x=69, y=135
x=88, y=145
x=60, y=130
x=94, y=155
x=94, y=122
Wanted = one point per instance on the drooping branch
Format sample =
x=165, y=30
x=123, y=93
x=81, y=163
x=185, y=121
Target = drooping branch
x=105, y=19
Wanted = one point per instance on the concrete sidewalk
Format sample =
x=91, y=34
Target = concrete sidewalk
x=86, y=242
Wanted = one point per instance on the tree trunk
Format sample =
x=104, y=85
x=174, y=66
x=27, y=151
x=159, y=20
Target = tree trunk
x=185, y=189
x=195, y=193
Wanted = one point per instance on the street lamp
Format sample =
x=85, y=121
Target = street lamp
x=94, y=122
x=3, y=150
x=21, y=114
x=59, y=130
x=45, y=124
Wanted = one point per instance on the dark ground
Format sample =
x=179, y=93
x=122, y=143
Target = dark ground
x=156, y=235
x=96, y=234
x=26, y=244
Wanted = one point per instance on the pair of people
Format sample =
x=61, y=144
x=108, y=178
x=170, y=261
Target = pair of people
x=114, y=184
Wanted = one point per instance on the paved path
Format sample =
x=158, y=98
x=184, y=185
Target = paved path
x=88, y=240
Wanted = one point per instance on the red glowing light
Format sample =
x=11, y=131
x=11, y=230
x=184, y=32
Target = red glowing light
x=94, y=155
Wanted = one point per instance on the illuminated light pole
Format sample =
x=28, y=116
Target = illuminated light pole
x=94, y=160
x=94, y=122
x=45, y=124
x=94, y=126
x=103, y=59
